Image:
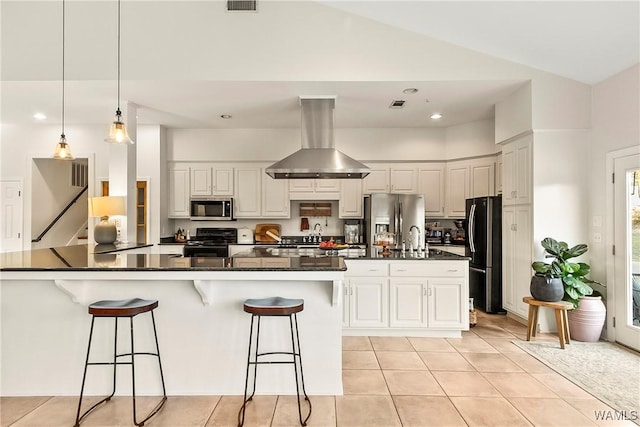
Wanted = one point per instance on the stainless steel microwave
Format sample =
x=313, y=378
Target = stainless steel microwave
x=211, y=209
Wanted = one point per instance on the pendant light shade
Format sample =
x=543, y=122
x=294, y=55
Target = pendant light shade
x=118, y=130
x=63, y=152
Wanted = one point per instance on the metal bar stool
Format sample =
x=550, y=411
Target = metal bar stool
x=117, y=309
x=275, y=306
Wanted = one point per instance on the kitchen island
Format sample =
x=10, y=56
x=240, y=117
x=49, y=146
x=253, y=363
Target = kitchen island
x=203, y=331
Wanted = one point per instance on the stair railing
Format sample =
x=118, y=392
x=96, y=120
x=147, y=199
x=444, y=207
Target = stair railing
x=60, y=215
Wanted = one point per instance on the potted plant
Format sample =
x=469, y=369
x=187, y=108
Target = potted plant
x=587, y=318
x=572, y=274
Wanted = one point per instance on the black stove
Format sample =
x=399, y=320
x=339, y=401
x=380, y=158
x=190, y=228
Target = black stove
x=211, y=242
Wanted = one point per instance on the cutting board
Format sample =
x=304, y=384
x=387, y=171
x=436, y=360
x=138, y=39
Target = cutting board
x=261, y=232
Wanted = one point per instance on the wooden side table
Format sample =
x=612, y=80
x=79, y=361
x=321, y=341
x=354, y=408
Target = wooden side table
x=560, y=308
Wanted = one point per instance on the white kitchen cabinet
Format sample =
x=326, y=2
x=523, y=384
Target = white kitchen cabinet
x=366, y=295
x=350, y=204
x=397, y=178
x=482, y=177
x=457, y=189
x=257, y=195
x=447, y=304
x=431, y=186
x=368, y=302
x=247, y=201
x=275, y=197
x=314, y=189
x=431, y=294
x=211, y=180
x=403, y=179
x=517, y=257
x=178, y=191
x=422, y=296
x=516, y=171
x=407, y=301
x=377, y=181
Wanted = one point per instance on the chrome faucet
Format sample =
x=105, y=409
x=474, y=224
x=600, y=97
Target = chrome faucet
x=419, y=248
x=319, y=231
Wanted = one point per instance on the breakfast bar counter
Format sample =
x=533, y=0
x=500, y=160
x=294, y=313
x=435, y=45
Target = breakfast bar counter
x=202, y=328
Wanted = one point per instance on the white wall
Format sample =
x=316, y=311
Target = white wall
x=377, y=144
x=560, y=196
x=615, y=111
x=513, y=114
x=471, y=139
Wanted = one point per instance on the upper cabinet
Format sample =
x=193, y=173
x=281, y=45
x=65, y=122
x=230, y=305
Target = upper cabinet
x=466, y=179
x=275, y=197
x=178, y=191
x=257, y=195
x=516, y=171
x=431, y=186
x=350, y=204
x=211, y=180
x=397, y=178
x=314, y=189
x=482, y=176
x=457, y=188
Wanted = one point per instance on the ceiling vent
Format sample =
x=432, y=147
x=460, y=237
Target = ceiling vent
x=397, y=104
x=241, y=5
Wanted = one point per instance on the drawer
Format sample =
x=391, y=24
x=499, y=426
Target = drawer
x=366, y=268
x=428, y=269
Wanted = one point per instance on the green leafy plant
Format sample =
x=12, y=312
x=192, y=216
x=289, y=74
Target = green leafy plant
x=573, y=274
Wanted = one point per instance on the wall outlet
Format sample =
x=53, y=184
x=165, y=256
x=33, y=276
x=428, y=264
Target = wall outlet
x=118, y=223
x=597, y=237
x=597, y=221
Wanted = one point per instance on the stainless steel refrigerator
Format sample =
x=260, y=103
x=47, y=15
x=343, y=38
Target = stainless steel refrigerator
x=484, y=247
x=401, y=214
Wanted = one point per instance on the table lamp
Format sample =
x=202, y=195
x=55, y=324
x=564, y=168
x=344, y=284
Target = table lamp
x=104, y=207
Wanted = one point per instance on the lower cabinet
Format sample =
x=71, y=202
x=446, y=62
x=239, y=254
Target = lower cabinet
x=517, y=258
x=368, y=305
x=411, y=296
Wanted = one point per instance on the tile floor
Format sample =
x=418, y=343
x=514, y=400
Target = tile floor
x=481, y=379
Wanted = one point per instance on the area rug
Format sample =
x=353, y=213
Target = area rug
x=608, y=371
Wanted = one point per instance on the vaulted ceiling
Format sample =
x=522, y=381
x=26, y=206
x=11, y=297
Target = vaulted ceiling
x=583, y=41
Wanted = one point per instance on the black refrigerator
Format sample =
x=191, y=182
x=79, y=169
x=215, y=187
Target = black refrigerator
x=484, y=247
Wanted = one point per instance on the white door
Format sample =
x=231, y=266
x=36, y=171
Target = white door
x=627, y=250
x=11, y=216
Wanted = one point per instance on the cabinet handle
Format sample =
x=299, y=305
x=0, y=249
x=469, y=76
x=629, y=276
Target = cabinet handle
x=373, y=269
x=430, y=292
x=401, y=269
x=424, y=291
x=452, y=271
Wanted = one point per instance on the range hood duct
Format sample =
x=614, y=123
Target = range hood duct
x=318, y=157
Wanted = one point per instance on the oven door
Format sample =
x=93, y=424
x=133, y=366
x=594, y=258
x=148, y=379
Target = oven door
x=209, y=250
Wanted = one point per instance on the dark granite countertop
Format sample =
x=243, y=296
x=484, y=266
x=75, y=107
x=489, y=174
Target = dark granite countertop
x=113, y=258
x=94, y=258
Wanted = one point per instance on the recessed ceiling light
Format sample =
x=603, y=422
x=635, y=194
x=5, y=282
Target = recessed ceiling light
x=39, y=116
x=225, y=116
x=436, y=116
x=410, y=90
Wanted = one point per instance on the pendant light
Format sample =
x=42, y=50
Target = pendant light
x=118, y=130
x=63, y=152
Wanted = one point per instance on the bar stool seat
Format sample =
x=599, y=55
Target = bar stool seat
x=562, y=322
x=275, y=306
x=118, y=309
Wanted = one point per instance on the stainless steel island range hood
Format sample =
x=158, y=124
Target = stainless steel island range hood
x=318, y=157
